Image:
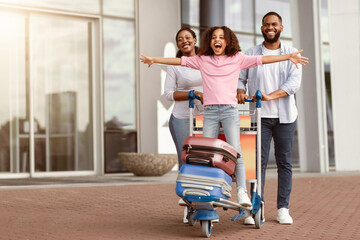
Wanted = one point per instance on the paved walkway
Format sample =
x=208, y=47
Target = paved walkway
x=129, y=207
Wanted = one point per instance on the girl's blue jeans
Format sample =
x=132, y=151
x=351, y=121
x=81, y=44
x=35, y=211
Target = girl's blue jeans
x=228, y=116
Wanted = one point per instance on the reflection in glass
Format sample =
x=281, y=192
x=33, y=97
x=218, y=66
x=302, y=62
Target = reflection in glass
x=119, y=91
x=119, y=8
x=239, y=15
x=282, y=7
x=119, y=72
x=324, y=21
x=14, y=131
x=60, y=73
x=88, y=6
x=330, y=124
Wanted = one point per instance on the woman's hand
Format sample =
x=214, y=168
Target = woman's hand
x=147, y=60
x=296, y=58
x=200, y=94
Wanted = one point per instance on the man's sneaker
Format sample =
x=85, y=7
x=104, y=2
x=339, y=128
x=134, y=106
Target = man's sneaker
x=243, y=198
x=185, y=220
x=284, y=217
x=215, y=221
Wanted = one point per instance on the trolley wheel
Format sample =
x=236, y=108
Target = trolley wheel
x=206, y=227
x=257, y=218
x=192, y=221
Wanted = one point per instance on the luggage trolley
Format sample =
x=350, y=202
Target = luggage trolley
x=202, y=205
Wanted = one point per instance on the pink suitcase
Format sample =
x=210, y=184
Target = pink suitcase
x=211, y=152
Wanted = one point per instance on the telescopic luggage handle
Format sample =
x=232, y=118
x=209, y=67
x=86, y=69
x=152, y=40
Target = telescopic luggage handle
x=258, y=97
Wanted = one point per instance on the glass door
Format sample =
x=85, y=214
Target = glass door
x=14, y=108
x=61, y=82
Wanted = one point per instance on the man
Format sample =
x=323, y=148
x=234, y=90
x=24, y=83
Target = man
x=278, y=83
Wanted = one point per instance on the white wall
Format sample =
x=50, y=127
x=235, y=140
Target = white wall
x=344, y=28
x=158, y=22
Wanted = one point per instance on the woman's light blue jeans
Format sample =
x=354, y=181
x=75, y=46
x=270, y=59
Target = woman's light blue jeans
x=179, y=129
x=228, y=116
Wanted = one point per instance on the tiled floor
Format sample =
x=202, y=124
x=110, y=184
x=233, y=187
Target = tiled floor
x=322, y=206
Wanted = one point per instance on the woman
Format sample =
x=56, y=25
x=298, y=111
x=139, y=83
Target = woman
x=178, y=83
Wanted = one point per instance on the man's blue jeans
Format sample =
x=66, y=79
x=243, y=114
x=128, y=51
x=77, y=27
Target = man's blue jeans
x=228, y=116
x=283, y=135
x=179, y=129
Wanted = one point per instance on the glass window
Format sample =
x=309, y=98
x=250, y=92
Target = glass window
x=119, y=91
x=14, y=121
x=119, y=72
x=120, y=8
x=239, y=15
x=324, y=21
x=191, y=12
x=61, y=83
x=245, y=42
x=198, y=36
x=282, y=8
x=88, y=6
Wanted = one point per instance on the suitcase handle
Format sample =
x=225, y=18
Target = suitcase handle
x=199, y=160
x=226, y=155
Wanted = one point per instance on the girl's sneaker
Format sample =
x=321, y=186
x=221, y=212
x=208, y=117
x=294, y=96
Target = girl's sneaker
x=243, y=198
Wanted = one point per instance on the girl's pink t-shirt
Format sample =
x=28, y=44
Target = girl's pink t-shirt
x=220, y=75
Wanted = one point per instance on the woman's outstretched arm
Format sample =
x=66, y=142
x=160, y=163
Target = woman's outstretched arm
x=294, y=57
x=168, y=61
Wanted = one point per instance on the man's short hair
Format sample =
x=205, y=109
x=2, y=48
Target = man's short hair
x=272, y=13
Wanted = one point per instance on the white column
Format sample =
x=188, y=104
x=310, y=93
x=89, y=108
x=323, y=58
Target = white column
x=344, y=28
x=158, y=22
x=311, y=125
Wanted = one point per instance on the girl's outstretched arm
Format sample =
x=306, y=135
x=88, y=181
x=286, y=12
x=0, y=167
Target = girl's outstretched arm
x=294, y=57
x=161, y=60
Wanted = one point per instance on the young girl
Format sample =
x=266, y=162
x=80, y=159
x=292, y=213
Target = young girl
x=220, y=62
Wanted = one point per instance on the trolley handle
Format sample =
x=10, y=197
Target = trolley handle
x=258, y=97
x=191, y=97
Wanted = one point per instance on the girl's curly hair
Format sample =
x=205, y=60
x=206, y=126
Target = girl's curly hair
x=232, y=43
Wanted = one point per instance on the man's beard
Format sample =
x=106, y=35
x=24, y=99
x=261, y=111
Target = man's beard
x=271, y=40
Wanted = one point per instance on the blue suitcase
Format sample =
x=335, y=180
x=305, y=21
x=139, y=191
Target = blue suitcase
x=203, y=181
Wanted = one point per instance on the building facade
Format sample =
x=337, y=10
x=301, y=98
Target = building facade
x=74, y=93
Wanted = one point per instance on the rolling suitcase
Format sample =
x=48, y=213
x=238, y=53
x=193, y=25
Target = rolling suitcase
x=210, y=152
x=203, y=181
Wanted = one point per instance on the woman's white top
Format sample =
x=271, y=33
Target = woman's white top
x=183, y=79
